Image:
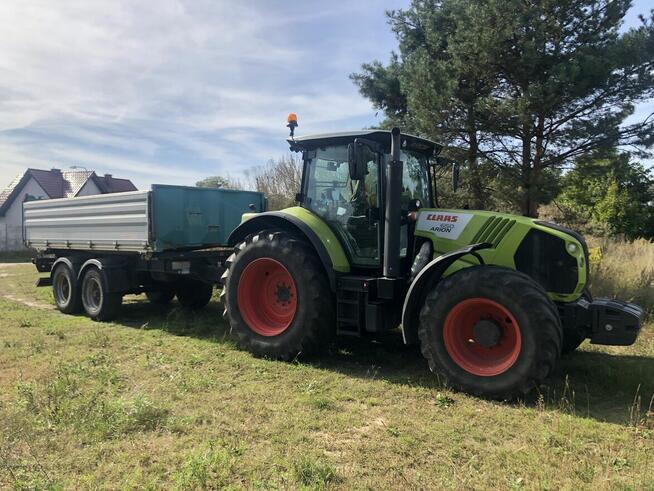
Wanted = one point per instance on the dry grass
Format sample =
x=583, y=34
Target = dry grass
x=624, y=270
x=162, y=399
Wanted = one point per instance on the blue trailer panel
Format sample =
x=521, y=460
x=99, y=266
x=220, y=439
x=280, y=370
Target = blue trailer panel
x=190, y=217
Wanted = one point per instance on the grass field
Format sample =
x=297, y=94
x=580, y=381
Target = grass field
x=162, y=399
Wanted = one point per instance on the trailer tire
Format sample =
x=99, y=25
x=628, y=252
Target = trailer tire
x=194, y=294
x=490, y=331
x=99, y=304
x=65, y=289
x=277, y=296
x=163, y=295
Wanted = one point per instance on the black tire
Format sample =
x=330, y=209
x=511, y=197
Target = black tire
x=311, y=325
x=65, y=289
x=163, y=295
x=194, y=294
x=99, y=304
x=533, y=315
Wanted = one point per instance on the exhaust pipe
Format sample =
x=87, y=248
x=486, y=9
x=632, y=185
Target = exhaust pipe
x=392, y=211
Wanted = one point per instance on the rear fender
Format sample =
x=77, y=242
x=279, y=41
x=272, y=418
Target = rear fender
x=116, y=272
x=72, y=263
x=424, y=281
x=291, y=223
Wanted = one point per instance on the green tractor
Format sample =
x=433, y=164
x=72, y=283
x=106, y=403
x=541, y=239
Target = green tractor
x=492, y=299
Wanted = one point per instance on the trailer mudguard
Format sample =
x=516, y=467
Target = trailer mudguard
x=424, y=281
x=116, y=270
x=304, y=223
x=72, y=262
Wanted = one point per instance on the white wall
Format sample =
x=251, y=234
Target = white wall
x=11, y=225
x=88, y=189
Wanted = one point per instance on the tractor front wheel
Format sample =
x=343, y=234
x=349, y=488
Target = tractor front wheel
x=490, y=331
x=277, y=297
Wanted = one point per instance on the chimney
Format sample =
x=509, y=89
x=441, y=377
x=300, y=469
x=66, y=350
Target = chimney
x=108, y=176
x=55, y=170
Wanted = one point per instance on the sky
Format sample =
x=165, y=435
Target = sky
x=174, y=91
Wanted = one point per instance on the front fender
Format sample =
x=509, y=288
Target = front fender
x=424, y=281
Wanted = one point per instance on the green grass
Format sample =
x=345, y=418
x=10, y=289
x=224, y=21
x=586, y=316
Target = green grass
x=162, y=399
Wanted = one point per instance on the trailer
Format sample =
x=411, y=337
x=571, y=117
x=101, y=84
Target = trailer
x=169, y=241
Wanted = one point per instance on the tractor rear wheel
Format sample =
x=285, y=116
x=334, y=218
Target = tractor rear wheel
x=490, y=331
x=277, y=297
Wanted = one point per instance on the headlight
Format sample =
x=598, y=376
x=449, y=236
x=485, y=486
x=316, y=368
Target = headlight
x=572, y=248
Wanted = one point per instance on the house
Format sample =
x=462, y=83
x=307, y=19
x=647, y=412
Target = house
x=46, y=184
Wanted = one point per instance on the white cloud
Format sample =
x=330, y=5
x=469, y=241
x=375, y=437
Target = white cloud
x=198, y=83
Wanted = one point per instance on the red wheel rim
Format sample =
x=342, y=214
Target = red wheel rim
x=267, y=297
x=462, y=343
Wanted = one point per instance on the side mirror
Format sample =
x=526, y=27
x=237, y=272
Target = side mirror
x=358, y=156
x=455, y=177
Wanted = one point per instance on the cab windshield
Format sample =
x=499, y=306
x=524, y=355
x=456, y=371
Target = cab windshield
x=415, y=178
x=352, y=208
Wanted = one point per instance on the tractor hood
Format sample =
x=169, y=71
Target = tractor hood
x=554, y=256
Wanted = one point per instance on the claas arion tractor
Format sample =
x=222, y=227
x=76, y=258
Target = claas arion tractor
x=492, y=299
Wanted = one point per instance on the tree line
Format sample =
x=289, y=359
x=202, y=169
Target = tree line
x=535, y=99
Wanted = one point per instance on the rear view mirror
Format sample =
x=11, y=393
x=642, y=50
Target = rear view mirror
x=358, y=156
x=443, y=162
x=455, y=177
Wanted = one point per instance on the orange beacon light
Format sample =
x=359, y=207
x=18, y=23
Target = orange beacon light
x=292, y=123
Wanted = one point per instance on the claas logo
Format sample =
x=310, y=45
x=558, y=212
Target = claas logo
x=442, y=218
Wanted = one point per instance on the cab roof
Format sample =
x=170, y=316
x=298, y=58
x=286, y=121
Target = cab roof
x=383, y=137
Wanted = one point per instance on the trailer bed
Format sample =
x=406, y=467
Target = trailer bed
x=166, y=218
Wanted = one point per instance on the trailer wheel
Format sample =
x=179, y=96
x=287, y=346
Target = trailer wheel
x=163, y=295
x=490, y=331
x=194, y=294
x=277, y=296
x=65, y=290
x=99, y=304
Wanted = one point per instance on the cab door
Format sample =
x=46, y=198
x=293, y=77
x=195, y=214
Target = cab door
x=349, y=206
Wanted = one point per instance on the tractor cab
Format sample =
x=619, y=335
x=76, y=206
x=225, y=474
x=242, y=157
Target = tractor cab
x=344, y=182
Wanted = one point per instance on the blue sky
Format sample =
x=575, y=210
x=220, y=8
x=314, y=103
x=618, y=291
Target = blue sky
x=173, y=91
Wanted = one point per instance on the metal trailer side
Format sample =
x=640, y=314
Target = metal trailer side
x=104, y=222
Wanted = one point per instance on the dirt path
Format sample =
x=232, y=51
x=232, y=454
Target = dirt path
x=6, y=272
x=25, y=301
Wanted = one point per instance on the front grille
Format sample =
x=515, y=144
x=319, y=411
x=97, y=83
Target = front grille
x=493, y=231
x=574, y=234
x=544, y=257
